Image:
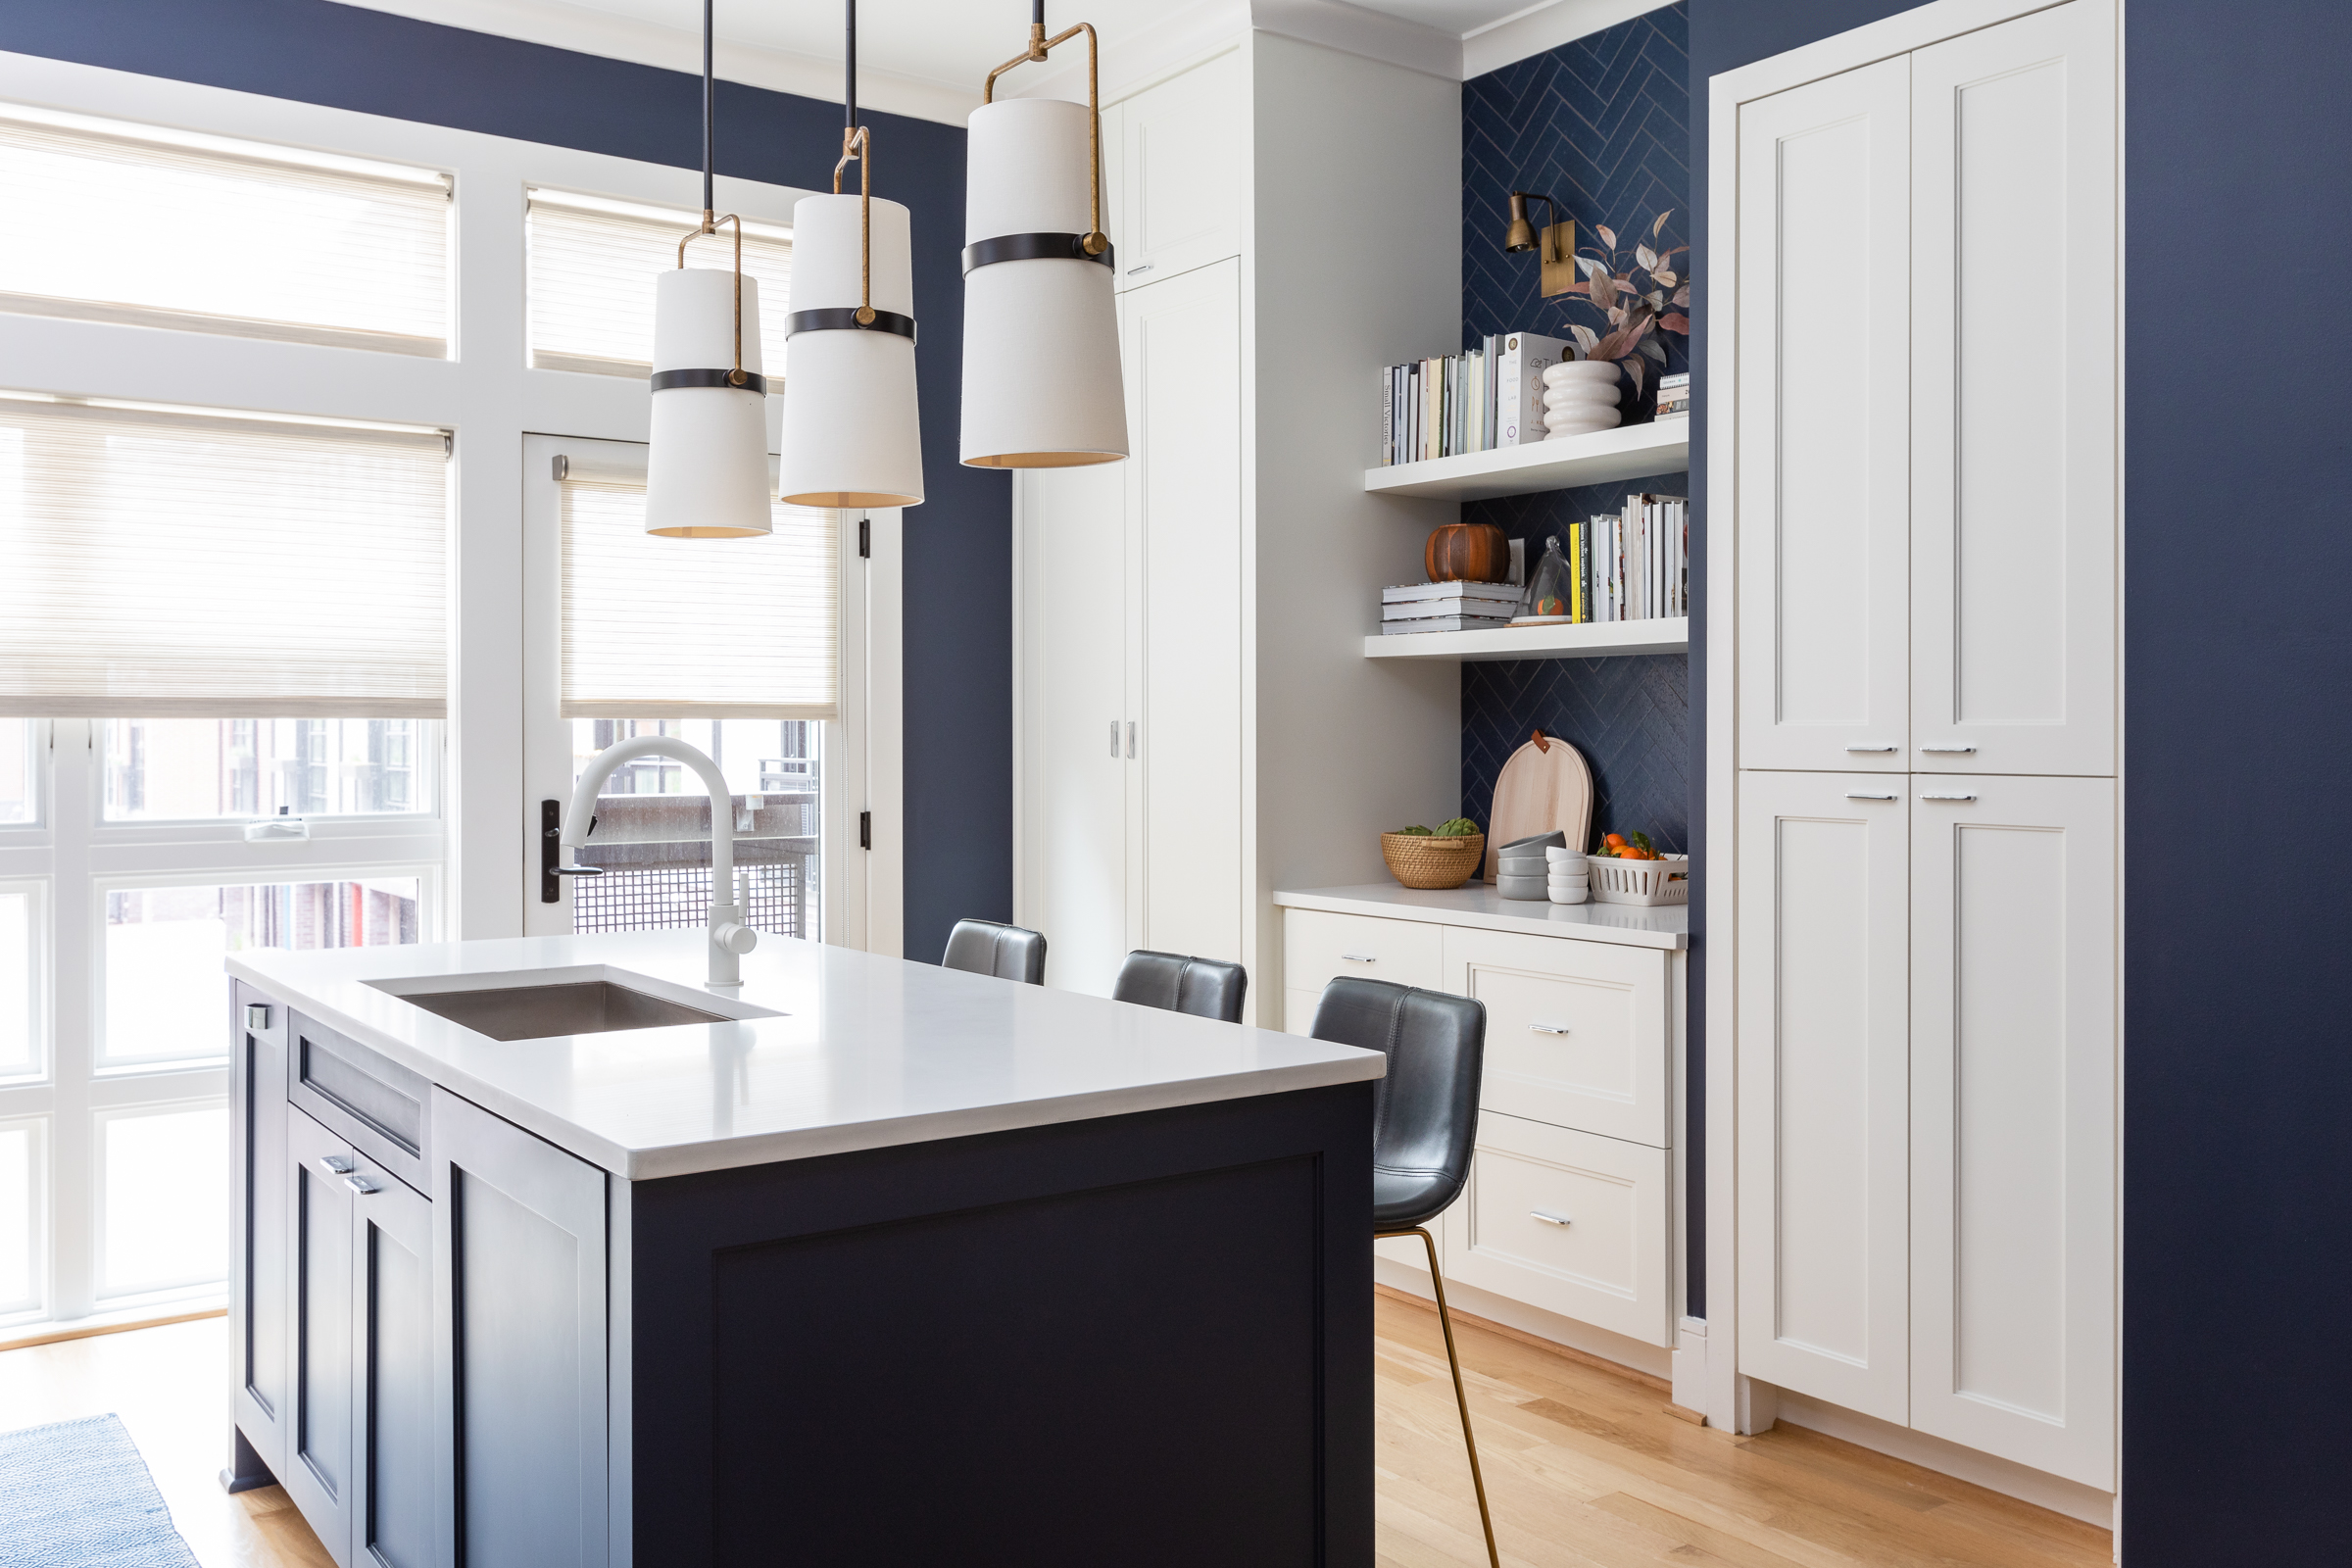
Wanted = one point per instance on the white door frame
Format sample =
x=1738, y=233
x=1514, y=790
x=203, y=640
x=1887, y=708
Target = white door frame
x=1732, y=1400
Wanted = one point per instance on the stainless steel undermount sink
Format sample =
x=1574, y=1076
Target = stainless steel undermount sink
x=545, y=1005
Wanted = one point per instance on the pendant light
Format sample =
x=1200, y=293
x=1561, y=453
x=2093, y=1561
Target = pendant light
x=852, y=433
x=1041, y=327
x=706, y=473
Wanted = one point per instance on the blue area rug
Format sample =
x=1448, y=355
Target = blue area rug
x=76, y=1495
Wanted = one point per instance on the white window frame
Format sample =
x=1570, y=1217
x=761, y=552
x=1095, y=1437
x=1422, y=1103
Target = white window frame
x=485, y=831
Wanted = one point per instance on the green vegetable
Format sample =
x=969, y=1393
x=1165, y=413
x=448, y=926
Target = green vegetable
x=1461, y=827
x=1414, y=832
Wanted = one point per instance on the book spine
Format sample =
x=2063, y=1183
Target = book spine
x=1387, y=419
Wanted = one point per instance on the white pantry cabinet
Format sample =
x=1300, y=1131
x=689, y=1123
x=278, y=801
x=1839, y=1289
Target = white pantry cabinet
x=1923, y=801
x=1202, y=605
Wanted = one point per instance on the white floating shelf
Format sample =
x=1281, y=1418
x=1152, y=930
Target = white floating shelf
x=1629, y=451
x=1604, y=640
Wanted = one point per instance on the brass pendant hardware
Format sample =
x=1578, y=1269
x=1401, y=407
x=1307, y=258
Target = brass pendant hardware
x=735, y=377
x=859, y=144
x=1095, y=242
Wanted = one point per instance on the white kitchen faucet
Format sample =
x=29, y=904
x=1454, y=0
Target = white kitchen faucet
x=730, y=938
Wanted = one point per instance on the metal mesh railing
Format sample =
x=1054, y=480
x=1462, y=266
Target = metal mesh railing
x=665, y=898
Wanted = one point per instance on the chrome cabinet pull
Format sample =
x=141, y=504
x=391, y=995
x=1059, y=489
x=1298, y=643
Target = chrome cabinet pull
x=361, y=1185
x=1131, y=740
x=1360, y=957
x=1948, y=751
x=257, y=1016
x=1871, y=748
x=1867, y=795
x=1114, y=740
x=1146, y=267
x=337, y=1164
x=1549, y=1219
x=1944, y=795
x=1549, y=1028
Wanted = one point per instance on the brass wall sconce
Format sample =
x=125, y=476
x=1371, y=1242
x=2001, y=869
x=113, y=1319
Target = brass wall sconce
x=1558, y=240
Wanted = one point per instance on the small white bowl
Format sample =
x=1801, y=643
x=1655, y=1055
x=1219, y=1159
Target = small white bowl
x=1577, y=894
x=1559, y=857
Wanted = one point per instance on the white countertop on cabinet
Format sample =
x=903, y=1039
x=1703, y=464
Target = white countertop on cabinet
x=864, y=1051
x=1477, y=903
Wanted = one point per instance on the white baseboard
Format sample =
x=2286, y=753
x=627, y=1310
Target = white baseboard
x=1653, y=1359
x=1995, y=1474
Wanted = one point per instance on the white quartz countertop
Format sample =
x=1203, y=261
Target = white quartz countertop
x=863, y=1052
x=1477, y=903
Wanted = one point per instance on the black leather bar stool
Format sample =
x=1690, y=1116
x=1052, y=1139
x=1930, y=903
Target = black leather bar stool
x=1206, y=988
x=1008, y=952
x=1424, y=1125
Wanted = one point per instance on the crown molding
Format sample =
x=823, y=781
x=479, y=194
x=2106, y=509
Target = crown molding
x=1543, y=28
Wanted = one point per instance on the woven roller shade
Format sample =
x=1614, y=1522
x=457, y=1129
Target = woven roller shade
x=695, y=628
x=590, y=279
x=160, y=562
x=132, y=225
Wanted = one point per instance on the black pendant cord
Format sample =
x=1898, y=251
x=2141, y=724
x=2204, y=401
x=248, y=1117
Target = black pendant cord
x=848, y=88
x=709, y=106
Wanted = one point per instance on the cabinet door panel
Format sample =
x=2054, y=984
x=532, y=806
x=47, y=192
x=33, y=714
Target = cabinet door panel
x=257, y=1310
x=519, y=1281
x=2014, y=501
x=1822, y=434
x=1183, y=339
x=396, y=1515
x=1182, y=145
x=1073, y=720
x=318, y=1474
x=1571, y=1222
x=2013, y=1119
x=1822, y=1092
x=1576, y=1031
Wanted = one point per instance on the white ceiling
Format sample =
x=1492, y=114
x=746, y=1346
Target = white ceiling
x=927, y=57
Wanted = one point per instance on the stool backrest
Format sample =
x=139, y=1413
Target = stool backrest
x=1008, y=952
x=1425, y=1111
x=1206, y=988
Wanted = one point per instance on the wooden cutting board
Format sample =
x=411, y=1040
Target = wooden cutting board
x=1544, y=786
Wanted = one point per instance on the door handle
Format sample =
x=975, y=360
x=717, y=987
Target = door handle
x=337, y=1164
x=1549, y=1028
x=1360, y=957
x=1944, y=795
x=1948, y=751
x=1131, y=740
x=1549, y=1219
x=1135, y=271
x=1114, y=740
x=361, y=1185
x=1866, y=795
x=1870, y=747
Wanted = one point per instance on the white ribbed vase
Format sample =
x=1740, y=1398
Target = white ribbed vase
x=852, y=437
x=1580, y=397
x=1040, y=336
x=706, y=472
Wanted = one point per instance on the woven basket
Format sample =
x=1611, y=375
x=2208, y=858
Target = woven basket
x=1425, y=860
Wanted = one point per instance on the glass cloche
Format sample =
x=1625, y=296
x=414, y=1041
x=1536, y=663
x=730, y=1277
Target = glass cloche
x=1549, y=597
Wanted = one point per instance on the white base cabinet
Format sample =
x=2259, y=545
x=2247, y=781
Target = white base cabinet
x=1572, y=1201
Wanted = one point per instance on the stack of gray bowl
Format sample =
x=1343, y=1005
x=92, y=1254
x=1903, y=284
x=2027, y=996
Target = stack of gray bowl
x=1519, y=866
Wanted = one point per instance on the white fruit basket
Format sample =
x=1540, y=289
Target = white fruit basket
x=1665, y=880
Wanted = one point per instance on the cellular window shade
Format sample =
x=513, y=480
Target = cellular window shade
x=121, y=222
x=160, y=562
x=695, y=628
x=590, y=279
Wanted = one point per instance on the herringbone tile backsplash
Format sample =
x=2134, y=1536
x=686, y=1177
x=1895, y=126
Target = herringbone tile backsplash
x=1603, y=123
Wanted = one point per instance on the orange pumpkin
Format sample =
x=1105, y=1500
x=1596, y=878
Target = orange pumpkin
x=1467, y=552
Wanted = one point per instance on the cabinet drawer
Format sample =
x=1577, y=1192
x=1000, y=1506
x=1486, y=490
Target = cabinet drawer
x=364, y=1096
x=1571, y=1222
x=1318, y=947
x=1576, y=1032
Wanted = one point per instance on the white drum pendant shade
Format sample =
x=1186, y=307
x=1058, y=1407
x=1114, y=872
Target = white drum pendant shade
x=852, y=433
x=1040, y=336
x=706, y=474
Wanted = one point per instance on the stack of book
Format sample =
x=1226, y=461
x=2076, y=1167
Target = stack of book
x=1476, y=401
x=1635, y=566
x=1674, y=396
x=1447, y=606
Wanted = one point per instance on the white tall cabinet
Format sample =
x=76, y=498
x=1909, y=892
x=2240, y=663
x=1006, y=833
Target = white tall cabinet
x=1195, y=724
x=1923, y=914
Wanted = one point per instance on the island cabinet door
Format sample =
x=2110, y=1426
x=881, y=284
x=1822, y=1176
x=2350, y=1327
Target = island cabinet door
x=258, y=1282
x=519, y=1304
x=396, y=1473
x=318, y=1473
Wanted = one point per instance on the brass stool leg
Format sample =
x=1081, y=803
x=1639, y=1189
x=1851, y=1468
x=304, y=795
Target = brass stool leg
x=1460, y=1397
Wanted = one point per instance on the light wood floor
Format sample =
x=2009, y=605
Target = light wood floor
x=1583, y=1466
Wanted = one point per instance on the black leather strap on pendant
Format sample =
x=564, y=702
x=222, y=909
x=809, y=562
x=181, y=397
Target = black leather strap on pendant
x=663, y=381
x=1030, y=248
x=846, y=320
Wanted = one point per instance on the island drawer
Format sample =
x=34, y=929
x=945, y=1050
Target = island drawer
x=1576, y=1032
x=1319, y=947
x=382, y=1108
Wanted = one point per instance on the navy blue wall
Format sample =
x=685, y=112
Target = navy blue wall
x=2237, y=1082
x=958, y=575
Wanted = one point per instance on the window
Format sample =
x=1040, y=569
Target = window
x=22, y=917
x=591, y=281
x=186, y=770
x=192, y=560
x=263, y=241
x=23, y=1206
x=653, y=835
x=163, y=1214
x=16, y=774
